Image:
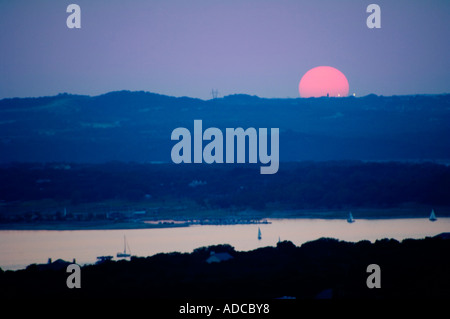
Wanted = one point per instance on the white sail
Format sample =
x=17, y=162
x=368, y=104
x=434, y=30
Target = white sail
x=125, y=245
x=350, y=218
x=433, y=216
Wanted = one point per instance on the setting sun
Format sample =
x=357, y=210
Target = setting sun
x=323, y=81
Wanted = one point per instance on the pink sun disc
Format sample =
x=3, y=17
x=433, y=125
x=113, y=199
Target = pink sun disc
x=323, y=81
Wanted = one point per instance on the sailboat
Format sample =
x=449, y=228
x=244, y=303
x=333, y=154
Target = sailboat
x=350, y=218
x=124, y=254
x=432, y=216
x=259, y=234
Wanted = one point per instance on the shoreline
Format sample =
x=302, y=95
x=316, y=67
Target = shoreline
x=73, y=226
x=85, y=226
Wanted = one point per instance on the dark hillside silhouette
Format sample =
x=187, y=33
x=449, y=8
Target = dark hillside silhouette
x=325, y=267
x=136, y=126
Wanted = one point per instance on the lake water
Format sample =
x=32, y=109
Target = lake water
x=21, y=248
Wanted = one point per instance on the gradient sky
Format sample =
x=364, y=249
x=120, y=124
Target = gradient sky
x=187, y=48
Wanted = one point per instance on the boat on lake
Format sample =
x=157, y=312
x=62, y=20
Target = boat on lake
x=259, y=234
x=125, y=245
x=350, y=218
x=432, y=216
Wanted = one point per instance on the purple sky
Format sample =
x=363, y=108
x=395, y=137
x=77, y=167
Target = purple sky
x=186, y=48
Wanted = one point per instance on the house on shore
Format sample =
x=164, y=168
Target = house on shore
x=218, y=257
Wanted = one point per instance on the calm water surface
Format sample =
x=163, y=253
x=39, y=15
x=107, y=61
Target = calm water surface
x=21, y=248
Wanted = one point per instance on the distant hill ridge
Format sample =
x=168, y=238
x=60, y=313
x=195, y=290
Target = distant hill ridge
x=136, y=126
